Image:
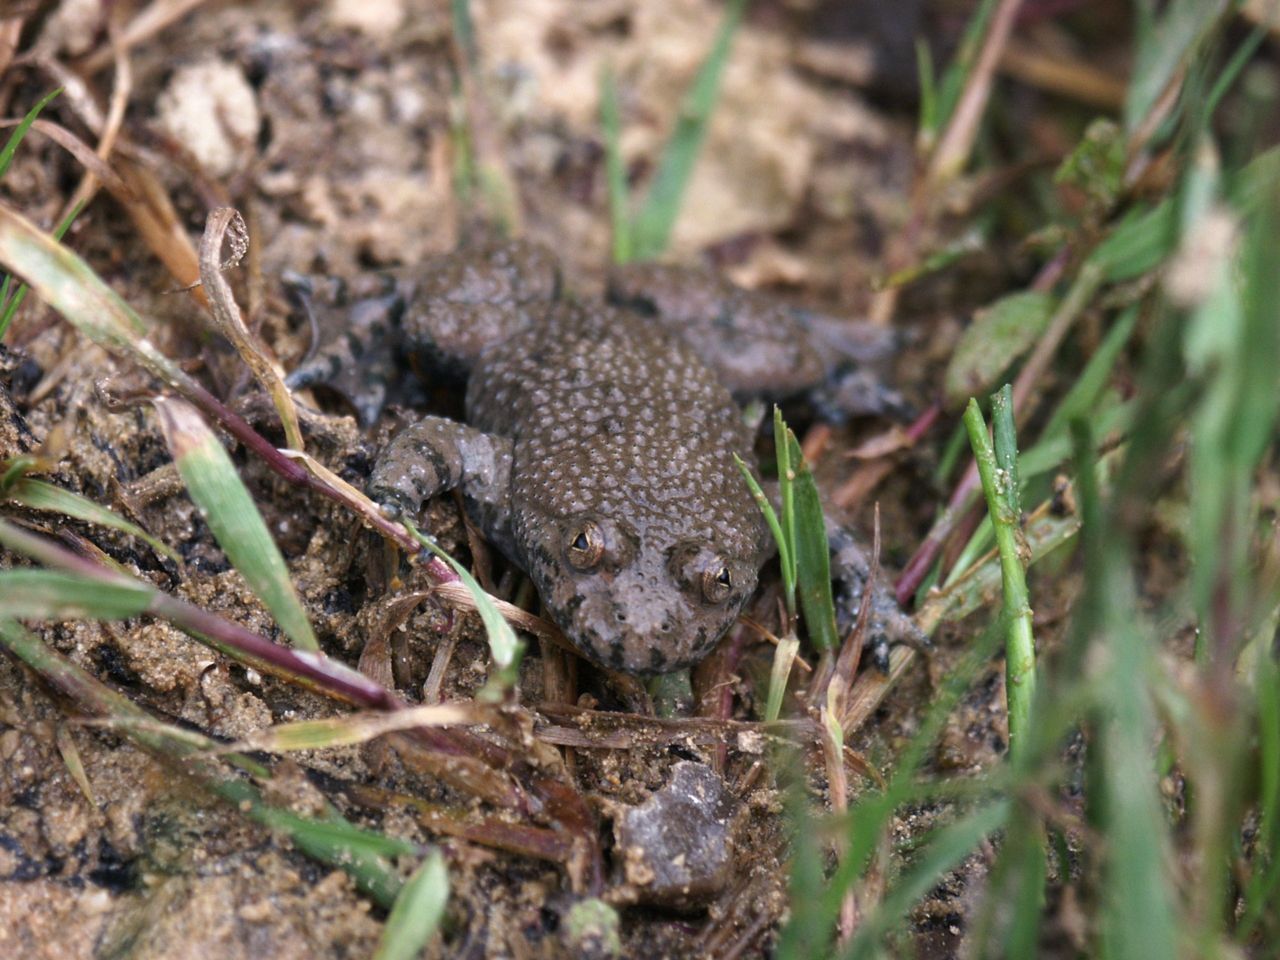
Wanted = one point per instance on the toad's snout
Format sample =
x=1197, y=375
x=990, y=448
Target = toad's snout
x=637, y=625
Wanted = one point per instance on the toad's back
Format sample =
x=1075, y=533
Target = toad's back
x=608, y=413
x=615, y=422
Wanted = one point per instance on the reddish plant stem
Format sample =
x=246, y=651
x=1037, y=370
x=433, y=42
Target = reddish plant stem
x=290, y=470
x=923, y=423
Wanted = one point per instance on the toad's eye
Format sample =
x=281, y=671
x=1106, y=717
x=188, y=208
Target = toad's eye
x=585, y=546
x=717, y=583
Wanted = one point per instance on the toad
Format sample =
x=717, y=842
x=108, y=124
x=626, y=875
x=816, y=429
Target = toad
x=597, y=452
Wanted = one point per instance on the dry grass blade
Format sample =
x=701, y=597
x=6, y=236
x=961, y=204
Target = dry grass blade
x=121, y=89
x=579, y=727
x=364, y=854
x=838, y=795
x=504, y=646
x=497, y=832
x=464, y=761
x=784, y=658
x=957, y=140
x=457, y=594
x=66, y=282
x=1057, y=73
x=338, y=489
x=85, y=155
x=979, y=587
x=226, y=225
x=358, y=727
x=150, y=21
x=75, y=766
x=833, y=687
x=10, y=33
x=329, y=676
x=152, y=212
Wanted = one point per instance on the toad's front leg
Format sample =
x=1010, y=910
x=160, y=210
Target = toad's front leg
x=436, y=454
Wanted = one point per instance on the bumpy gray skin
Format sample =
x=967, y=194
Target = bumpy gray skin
x=587, y=416
x=588, y=419
x=760, y=347
x=624, y=426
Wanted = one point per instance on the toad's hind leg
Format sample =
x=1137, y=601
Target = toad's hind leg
x=887, y=624
x=760, y=346
x=354, y=332
x=468, y=301
x=440, y=316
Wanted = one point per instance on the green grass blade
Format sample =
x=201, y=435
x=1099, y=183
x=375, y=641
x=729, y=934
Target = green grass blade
x=950, y=845
x=4, y=299
x=20, y=131
x=10, y=306
x=1083, y=395
x=807, y=933
x=998, y=471
x=615, y=168
x=928, y=128
x=775, y=525
x=68, y=284
x=227, y=507
x=366, y=856
x=1006, y=442
x=1138, y=245
x=1114, y=417
x=1266, y=877
x=813, y=555
x=1144, y=238
x=1013, y=901
x=10, y=309
x=50, y=595
x=39, y=495
x=786, y=498
x=814, y=904
x=657, y=216
x=1139, y=921
x=1235, y=66
x=503, y=643
x=1163, y=50
x=1139, y=918
x=464, y=33
x=418, y=909
x=1250, y=187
